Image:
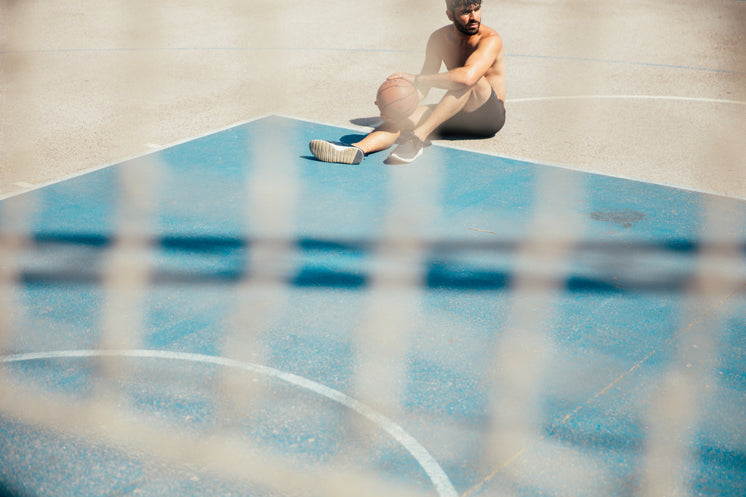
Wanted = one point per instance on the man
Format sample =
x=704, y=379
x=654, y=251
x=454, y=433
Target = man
x=473, y=104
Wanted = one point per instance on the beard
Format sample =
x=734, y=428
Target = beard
x=467, y=29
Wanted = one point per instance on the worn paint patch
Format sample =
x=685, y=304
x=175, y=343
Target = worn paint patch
x=625, y=218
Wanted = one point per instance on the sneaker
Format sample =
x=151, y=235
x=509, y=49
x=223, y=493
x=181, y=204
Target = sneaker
x=342, y=153
x=408, y=150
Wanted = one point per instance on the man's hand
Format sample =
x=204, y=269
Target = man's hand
x=403, y=75
x=412, y=78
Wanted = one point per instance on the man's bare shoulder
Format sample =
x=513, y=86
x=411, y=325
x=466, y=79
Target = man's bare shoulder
x=440, y=35
x=487, y=33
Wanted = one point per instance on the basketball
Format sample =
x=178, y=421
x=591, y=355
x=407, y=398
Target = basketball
x=397, y=98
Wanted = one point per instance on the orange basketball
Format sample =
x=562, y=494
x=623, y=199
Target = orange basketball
x=397, y=98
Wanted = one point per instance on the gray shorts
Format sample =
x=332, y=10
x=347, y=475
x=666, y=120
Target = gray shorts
x=484, y=122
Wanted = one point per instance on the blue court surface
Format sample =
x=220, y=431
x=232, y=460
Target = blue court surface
x=229, y=316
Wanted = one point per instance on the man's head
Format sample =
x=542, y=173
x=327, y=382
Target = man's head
x=466, y=15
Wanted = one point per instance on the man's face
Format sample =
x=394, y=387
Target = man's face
x=467, y=18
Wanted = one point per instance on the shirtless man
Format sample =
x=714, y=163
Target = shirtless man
x=473, y=104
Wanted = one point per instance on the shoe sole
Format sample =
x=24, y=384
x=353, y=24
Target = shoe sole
x=329, y=152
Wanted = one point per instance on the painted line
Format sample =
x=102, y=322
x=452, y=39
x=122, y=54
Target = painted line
x=645, y=359
x=550, y=433
x=352, y=50
x=625, y=62
x=207, y=49
x=437, y=476
x=83, y=172
x=626, y=97
x=463, y=148
x=363, y=128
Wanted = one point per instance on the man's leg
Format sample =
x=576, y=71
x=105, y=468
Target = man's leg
x=469, y=100
x=453, y=101
x=381, y=138
x=387, y=133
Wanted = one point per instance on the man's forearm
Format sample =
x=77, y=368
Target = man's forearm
x=456, y=79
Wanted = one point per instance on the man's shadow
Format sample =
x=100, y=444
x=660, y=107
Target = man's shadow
x=370, y=122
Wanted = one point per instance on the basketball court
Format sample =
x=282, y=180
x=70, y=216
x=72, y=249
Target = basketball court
x=191, y=304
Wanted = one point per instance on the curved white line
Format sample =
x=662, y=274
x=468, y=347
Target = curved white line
x=629, y=97
x=437, y=476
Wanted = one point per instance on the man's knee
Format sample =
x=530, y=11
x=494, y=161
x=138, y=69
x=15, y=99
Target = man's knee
x=480, y=93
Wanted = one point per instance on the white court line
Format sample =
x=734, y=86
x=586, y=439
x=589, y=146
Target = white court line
x=628, y=97
x=83, y=172
x=534, y=162
x=437, y=476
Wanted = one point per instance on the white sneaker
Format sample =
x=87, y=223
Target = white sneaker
x=342, y=153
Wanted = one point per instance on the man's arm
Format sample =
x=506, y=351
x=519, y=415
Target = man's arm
x=476, y=66
x=431, y=64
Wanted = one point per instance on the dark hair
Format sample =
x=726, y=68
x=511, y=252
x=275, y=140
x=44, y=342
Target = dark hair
x=451, y=5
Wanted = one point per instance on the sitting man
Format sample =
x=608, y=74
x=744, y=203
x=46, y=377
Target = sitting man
x=473, y=104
